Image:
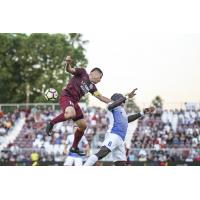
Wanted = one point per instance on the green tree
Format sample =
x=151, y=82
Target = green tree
x=29, y=64
x=157, y=102
x=131, y=106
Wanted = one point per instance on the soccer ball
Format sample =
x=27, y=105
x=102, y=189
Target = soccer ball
x=51, y=94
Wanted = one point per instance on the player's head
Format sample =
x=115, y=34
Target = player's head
x=95, y=75
x=117, y=96
x=75, y=127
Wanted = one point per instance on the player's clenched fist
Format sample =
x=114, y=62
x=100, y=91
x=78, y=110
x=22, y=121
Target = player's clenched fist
x=149, y=110
x=132, y=94
x=68, y=59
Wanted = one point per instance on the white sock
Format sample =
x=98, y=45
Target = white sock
x=91, y=160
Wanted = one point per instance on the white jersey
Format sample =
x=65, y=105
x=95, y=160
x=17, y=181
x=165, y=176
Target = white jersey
x=73, y=158
x=118, y=122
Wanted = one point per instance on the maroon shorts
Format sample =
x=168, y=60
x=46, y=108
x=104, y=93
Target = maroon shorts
x=65, y=101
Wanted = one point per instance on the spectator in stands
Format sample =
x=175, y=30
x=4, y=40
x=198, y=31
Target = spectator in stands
x=173, y=129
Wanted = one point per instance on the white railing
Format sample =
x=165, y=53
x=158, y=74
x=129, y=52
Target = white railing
x=166, y=105
x=24, y=105
x=12, y=106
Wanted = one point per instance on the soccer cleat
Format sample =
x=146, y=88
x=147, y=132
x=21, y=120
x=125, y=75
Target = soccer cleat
x=49, y=129
x=77, y=151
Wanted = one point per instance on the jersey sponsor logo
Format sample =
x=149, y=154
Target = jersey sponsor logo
x=70, y=103
x=84, y=87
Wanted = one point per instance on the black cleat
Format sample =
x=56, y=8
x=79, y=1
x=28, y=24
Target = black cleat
x=49, y=129
x=77, y=151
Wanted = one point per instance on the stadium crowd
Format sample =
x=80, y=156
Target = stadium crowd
x=165, y=135
x=33, y=140
x=7, y=121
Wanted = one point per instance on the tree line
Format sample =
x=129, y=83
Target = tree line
x=31, y=63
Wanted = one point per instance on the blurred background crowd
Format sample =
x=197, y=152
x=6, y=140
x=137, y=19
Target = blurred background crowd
x=163, y=136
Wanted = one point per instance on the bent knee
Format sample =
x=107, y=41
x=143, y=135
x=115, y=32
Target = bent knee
x=69, y=115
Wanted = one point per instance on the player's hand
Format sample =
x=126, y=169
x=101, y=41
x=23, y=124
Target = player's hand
x=68, y=60
x=148, y=110
x=132, y=94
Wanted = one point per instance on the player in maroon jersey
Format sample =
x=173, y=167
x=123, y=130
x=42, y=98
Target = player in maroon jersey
x=80, y=84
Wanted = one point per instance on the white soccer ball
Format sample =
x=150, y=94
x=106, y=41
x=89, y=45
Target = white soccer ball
x=51, y=94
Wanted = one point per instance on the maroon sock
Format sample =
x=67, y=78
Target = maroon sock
x=59, y=118
x=77, y=137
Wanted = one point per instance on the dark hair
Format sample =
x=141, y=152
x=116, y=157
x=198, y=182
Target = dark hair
x=97, y=69
x=117, y=96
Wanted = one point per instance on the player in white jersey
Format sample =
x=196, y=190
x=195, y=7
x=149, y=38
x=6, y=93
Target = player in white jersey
x=114, y=141
x=74, y=158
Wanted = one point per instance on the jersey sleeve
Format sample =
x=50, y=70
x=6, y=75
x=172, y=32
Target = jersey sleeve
x=79, y=71
x=94, y=91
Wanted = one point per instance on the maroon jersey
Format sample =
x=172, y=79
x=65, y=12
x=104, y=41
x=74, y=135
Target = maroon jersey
x=79, y=85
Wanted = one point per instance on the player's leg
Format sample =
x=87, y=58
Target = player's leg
x=69, y=161
x=119, y=154
x=109, y=144
x=81, y=123
x=78, y=161
x=104, y=151
x=68, y=113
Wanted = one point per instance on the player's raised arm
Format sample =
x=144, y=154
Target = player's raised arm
x=116, y=103
x=120, y=99
x=69, y=67
x=131, y=94
x=132, y=118
x=101, y=97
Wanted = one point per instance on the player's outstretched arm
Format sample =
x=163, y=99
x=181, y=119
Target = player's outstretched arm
x=131, y=94
x=69, y=68
x=132, y=118
x=122, y=100
x=107, y=100
x=65, y=150
x=87, y=149
x=101, y=97
x=114, y=104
